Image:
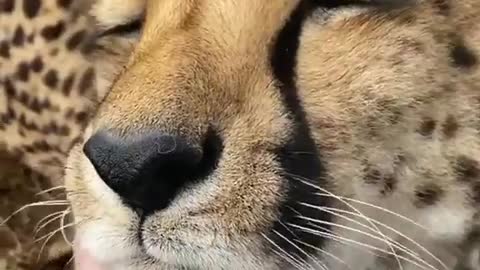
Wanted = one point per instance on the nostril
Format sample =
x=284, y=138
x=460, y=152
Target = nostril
x=147, y=171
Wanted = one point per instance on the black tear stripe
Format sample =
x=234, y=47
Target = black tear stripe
x=300, y=158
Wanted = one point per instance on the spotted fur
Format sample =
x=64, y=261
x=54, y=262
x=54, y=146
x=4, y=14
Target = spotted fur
x=47, y=92
x=46, y=82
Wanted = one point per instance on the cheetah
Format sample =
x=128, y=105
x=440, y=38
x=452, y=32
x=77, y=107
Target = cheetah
x=299, y=134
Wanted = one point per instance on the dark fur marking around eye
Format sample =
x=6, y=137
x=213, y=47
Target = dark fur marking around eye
x=31, y=8
x=461, y=55
x=450, y=127
x=428, y=195
x=427, y=127
x=467, y=169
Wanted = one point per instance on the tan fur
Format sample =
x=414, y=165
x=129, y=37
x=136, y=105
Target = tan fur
x=383, y=98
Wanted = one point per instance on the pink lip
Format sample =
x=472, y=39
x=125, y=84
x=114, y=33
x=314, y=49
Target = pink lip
x=85, y=261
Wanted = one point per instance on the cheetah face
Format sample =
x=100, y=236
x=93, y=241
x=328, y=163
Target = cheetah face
x=230, y=126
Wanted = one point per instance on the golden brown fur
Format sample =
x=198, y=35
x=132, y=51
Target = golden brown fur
x=391, y=99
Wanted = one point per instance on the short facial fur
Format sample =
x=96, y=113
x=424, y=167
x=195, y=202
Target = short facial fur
x=330, y=117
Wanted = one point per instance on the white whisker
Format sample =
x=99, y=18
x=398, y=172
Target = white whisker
x=48, y=237
x=320, y=264
x=44, y=203
x=324, y=252
x=49, y=190
x=55, y=216
x=62, y=227
x=285, y=255
x=331, y=210
x=394, y=243
x=301, y=179
x=343, y=239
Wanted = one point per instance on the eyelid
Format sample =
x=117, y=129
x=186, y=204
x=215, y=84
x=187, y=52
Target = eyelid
x=123, y=29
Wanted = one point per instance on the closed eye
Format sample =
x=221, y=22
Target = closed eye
x=132, y=27
x=368, y=3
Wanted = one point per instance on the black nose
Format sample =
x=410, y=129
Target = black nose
x=147, y=171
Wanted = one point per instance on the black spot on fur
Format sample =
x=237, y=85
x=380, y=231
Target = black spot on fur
x=86, y=82
x=389, y=184
x=428, y=195
x=443, y=6
x=475, y=192
x=68, y=84
x=427, y=127
x=4, y=49
x=386, y=182
x=54, y=52
x=35, y=105
x=37, y=64
x=372, y=176
x=53, y=32
x=81, y=117
x=63, y=130
x=9, y=88
x=467, y=169
x=23, y=98
x=23, y=71
x=31, y=8
x=75, y=40
x=31, y=38
x=461, y=55
x=64, y=3
x=19, y=36
x=450, y=127
x=51, y=79
x=7, y=6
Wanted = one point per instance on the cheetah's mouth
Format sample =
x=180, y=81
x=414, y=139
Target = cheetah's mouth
x=86, y=261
